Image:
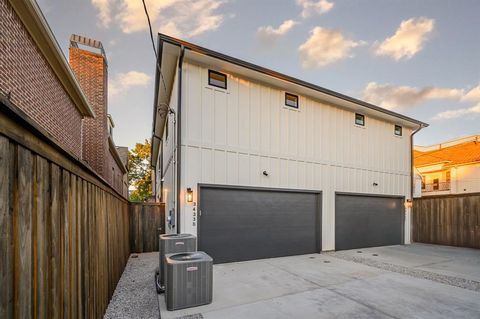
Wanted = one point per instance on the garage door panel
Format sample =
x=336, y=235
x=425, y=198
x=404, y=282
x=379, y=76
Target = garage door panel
x=368, y=221
x=246, y=224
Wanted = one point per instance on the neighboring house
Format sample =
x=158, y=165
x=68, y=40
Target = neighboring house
x=451, y=167
x=123, y=153
x=259, y=164
x=36, y=76
x=68, y=101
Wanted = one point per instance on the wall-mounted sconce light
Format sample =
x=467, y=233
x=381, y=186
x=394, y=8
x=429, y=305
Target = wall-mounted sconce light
x=408, y=203
x=189, y=195
x=375, y=184
x=265, y=173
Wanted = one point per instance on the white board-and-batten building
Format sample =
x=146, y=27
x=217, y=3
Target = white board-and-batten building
x=258, y=164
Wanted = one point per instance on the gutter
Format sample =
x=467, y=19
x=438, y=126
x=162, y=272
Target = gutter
x=158, y=62
x=179, y=134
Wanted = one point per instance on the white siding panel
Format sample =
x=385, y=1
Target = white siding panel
x=243, y=169
x=232, y=168
x=208, y=116
x=220, y=115
x=208, y=172
x=255, y=115
x=244, y=115
x=232, y=121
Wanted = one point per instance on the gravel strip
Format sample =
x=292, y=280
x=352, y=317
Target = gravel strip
x=135, y=295
x=417, y=273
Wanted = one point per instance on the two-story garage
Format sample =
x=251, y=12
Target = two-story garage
x=258, y=164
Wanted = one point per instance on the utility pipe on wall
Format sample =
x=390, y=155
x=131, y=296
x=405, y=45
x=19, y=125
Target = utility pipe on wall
x=179, y=136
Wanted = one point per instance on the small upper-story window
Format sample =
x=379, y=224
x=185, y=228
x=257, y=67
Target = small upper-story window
x=291, y=100
x=217, y=79
x=398, y=130
x=359, y=119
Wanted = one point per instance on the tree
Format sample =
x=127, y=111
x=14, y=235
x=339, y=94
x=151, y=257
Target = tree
x=139, y=172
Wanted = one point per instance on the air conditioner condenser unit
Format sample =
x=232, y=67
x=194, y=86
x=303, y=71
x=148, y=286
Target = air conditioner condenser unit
x=188, y=281
x=170, y=244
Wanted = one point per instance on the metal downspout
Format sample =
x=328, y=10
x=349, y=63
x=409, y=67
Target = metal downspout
x=412, y=172
x=412, y=176
x=179, y=136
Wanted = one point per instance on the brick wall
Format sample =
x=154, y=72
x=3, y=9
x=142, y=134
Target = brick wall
x=91, y=72
x=90, y=69
x=32, y=84
x=115, y=175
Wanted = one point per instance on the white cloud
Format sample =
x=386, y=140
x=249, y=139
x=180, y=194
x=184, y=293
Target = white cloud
x=473, y=94
x=408, y=40
x=125, y=81
x=267, y=35
x=178, y=18
x=397, y=97
x=312, y=6
x=104, y=12
x=451, y=114
x=325, y=46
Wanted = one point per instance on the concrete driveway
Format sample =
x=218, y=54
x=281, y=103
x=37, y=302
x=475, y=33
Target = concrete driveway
x=414, y=281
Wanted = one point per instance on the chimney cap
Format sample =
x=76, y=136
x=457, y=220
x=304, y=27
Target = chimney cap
x=78, y=39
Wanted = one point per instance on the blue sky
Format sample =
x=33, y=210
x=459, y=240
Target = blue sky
x=419, y=58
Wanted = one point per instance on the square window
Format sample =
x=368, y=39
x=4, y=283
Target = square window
x=398, y=130
x=359, y=119
x=217, y=79
x=291, y=100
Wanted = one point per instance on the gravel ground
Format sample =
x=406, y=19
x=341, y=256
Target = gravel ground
x=135, y=295
x=417, y=273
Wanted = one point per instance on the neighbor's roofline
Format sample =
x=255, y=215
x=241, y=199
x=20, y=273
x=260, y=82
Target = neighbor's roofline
x=37, y=26
x=281, y=76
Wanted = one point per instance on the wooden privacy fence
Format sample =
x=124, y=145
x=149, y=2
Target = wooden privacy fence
x=147, y=222
x=452, y=220
x=63, y=231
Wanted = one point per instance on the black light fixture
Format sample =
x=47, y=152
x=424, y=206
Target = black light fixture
x=189, y=195
x=265, y=173
x=375, y=184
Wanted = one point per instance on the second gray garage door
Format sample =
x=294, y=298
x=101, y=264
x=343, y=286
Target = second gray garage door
x=368, y=221
x=239, y=224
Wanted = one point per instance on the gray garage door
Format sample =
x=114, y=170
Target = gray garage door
x=368, y=221
x=243, y=224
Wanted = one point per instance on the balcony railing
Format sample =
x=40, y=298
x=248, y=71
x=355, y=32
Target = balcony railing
x=436, y=187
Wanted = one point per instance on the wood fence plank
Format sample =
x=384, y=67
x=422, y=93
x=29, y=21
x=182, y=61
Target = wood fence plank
x=66, y=230
x=54, y=266
x=6, y=229
x=23, y=235
x=40, y=241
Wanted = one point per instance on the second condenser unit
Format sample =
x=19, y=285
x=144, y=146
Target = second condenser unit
x=171, y=244
x=188, y=280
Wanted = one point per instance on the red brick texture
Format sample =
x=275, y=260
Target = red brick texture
x=32, y=84
x=91, y=72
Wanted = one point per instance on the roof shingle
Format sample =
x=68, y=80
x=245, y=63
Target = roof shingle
x=453, y=155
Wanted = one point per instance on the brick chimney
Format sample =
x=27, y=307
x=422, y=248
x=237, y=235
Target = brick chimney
x=89, y=64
